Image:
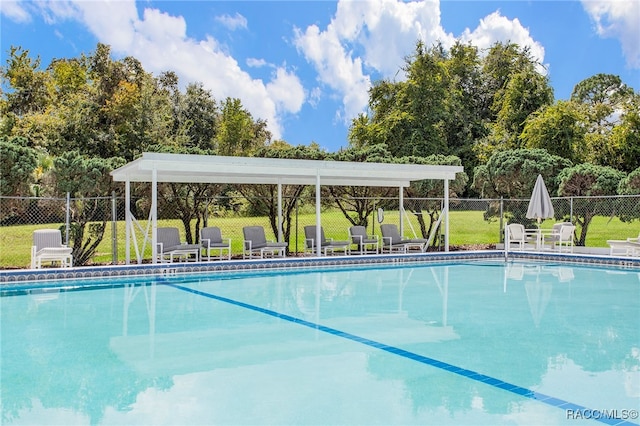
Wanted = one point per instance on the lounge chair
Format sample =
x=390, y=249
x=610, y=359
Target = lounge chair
x=48, y=247
x=327, y=245
x=365, y=243
x=169, y=247
x=628, y=247
x=211, y=240
x=393, y=241
x=516, y=237
x=255, y=244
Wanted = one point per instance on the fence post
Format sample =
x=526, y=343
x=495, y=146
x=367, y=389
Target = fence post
x=66, y=220
x=571, y=209
x=500, y=231
x=114, y=229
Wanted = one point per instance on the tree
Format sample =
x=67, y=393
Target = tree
x=611, y=121
x=19, y=163
x=466, y=111
x=408, y=116
x=588, y=180
x=238, y=133
x=85, y=179
x=28, y=85
x=514, y=89
x=623, y=150
x=557, y=128
x=512, y=174
x=629, y=208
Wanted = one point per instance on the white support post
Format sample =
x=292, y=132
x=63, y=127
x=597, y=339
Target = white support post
x=127, y=222
x=280, y=212
x=318, y=222
x=446, y=214
x=401, y=210
x=154, y=215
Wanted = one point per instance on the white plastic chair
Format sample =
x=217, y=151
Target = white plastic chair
x=48, y=247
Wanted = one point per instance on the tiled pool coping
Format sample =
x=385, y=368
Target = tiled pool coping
x=16, y=277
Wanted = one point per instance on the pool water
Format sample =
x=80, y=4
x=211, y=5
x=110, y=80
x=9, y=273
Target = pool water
x=476, y=343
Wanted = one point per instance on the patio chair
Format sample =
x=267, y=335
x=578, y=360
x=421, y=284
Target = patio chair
x=555, y=232
x=516, y=237
x=170, y=248
x=564, y=238
x=365, y=243
x=393, y=241
x=628, y=247
x=211, y=240
x=255, y=244
x=327, y=245
x=48, y=247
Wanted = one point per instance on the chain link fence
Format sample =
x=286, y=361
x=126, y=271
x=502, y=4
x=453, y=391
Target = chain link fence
x=95, y=227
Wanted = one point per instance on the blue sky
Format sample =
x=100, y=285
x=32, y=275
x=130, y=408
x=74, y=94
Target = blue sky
x=306, y=66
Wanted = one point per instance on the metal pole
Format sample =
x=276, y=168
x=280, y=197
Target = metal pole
x=114, y=229
x=66, y=221
x=571, y=209
x=501, y=238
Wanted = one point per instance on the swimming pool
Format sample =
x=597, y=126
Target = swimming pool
x=452, y=343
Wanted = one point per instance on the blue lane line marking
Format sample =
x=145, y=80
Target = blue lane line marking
x=469, y=374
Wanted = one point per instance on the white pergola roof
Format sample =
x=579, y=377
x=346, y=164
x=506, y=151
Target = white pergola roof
x=186, y=168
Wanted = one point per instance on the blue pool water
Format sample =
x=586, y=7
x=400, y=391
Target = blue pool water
x=478, y=343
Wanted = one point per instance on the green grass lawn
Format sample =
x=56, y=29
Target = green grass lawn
x=467, y=228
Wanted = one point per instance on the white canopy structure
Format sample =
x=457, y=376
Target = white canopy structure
x=187, y=168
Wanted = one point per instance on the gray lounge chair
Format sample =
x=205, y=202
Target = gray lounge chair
x=255, y=244
x=365, y=243
x=393, y=241
x=211, y=240
x=327, y=245
x=169, y=247
x=48, y=247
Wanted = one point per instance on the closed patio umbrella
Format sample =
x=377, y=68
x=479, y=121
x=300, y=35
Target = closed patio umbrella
x=540, y=206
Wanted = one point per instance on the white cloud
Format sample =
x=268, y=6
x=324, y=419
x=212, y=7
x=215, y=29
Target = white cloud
x=369, y=39
x=621, y=20
x=232, y=22
x=14, y=11
x=286, y=91
x=256, y=63
x=496, y=27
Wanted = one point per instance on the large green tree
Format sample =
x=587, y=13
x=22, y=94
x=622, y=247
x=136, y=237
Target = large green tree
x=611, y=123
x=515, y=89
x=87, y=180
x=557, y=128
